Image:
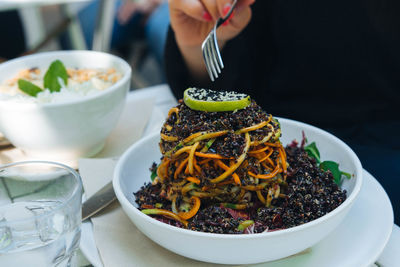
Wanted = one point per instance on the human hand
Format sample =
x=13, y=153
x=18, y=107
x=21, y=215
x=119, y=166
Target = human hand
x=192, y=20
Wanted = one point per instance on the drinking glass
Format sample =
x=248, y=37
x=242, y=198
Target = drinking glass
x=40, y=214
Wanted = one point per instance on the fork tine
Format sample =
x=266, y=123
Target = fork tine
x=214, y=50
x=211, y=54
x=206, y=61
x=218, y=57
x=210, y=58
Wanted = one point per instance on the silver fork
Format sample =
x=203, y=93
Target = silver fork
x=212, y=56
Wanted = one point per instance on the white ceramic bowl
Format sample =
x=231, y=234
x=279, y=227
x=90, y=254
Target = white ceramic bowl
x=132, y=171
x=64, y=131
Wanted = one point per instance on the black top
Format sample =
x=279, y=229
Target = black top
x=333, y=64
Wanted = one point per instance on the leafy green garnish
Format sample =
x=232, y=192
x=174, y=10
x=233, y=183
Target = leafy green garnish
x=332, y=166
x=29, y=88
x=313, y=152
x=50, y=81
x=55, y=71
x=153, y=175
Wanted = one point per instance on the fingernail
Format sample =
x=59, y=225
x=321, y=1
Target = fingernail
x=207, y=16
x=226, y=9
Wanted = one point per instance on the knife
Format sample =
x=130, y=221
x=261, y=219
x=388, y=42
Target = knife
x=104, y=197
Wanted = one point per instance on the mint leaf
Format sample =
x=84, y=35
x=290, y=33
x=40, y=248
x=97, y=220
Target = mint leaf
x=313, y=152
x=29, y=88
x=334, y=168
x=55, y=71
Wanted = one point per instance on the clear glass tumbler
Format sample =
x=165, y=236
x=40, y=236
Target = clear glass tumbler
x=40, y=214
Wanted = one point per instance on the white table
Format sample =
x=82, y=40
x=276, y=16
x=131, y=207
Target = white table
x=165, y=100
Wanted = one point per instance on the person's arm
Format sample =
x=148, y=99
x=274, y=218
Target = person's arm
x=190, y=24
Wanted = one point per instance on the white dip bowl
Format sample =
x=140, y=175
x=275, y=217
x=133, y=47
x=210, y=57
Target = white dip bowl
x=68, y=130
x=132, y=171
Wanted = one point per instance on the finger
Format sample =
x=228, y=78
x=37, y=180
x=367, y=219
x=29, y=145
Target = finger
x=212, y=8
x=241, y=18
x=223, y=7
x=192, y=8
x=243, y=4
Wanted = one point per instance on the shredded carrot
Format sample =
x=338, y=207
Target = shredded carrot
x=236, y=165
x=207, y=135
x=236, y=178
x=241, y=195
x=204, y=161
x=260, y=196
x=168, y=127
x=165, y=213
x=162, y=170
x=193, y=179
x=224, y=167
x=187, y=169
x=182, y=150
x=282, y=155
x=253, y=152
x=209, y=155
x=266, y=176
x=252, y=128
x=168, y=138
x=225, y=182
x=191, y=157
x=277, y=144
x=196, y=166
x=166, y=166
x=196, y=206
x=253, y=187
x=173, y=110
x=270, y=162
x=267, y=156
x=180, y=168
x=187, y=139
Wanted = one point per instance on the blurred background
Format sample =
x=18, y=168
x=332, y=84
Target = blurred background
x=132, y=29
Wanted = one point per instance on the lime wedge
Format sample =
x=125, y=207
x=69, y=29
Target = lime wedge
x=214, y=101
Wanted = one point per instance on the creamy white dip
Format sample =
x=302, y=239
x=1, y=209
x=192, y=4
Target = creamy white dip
x=81, y=83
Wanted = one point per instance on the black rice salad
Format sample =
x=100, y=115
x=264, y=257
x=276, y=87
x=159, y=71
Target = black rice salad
x=310, y=193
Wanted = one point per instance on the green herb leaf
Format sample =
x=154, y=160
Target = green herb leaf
x=348, y=175
x=208, y=145
x=210, y=142
x=55, y=71
x=243, y=225
x=153, y=175
x=29, y=88
x=334, y=168
x=313, y=152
